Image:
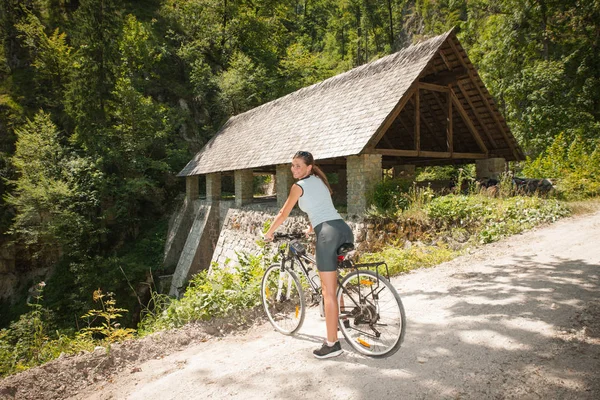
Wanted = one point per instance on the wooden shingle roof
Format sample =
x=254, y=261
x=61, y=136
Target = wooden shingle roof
x=371, y=109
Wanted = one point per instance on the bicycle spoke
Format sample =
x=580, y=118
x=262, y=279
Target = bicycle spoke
x=376, y=322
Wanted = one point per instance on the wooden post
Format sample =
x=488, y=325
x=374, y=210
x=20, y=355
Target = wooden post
x=417, y=120
x=449, y=129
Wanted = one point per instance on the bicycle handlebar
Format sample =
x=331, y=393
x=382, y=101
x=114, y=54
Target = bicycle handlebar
x=288, y=236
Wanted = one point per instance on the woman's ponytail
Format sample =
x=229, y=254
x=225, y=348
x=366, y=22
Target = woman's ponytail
x=318, y=172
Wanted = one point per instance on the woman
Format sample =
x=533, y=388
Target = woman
x=313, y=194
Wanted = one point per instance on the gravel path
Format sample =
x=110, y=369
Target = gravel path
x=516, y=319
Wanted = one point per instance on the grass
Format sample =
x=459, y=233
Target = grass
x=582, y=207
x=400, y=260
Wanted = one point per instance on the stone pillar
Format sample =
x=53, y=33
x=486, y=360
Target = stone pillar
x=490, y=168
x=213, y=187
x=244, y=187
x=191, y=188
x=364, y=171
x=284, y=181
x=340, y=190
x=406, y=171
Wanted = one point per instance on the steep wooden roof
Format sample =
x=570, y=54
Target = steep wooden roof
x=397, y=106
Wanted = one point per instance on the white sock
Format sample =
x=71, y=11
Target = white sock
x=330, y=344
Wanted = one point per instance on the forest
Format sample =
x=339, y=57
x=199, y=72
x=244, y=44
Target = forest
x=102, y=103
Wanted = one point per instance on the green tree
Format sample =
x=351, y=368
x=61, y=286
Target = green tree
x=98, y=23
x=51, y=61
x=44, y=195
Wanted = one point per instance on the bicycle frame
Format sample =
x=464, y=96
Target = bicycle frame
x=288, y=255
x=292, y=258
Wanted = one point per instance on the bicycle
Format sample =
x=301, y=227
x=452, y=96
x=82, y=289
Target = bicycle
x=371, y=318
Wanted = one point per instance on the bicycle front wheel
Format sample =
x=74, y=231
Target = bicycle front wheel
x=283, y=299
x=371, y=314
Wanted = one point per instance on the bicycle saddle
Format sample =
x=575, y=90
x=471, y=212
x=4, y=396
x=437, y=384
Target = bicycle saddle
x=345, y=249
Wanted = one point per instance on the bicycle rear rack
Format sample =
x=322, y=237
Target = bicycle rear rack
x=375, y=265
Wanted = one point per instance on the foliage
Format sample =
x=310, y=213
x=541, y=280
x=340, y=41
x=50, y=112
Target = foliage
x=489, y=219
x=102, y=323
x=535, y=58
x=472, y=218
x=219, y=292
x=519, y=214
x=389, y=196
x=31, y=340
x=47, y=194
x=401, y=260
x=574, y=166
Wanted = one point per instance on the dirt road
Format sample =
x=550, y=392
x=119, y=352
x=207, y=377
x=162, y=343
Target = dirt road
x=515, y=319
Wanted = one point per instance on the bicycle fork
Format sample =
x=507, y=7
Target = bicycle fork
x=280, y=284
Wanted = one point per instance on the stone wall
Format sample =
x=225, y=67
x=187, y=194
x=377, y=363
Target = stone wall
x=242, y=226
x=179, y=228
x=363, y=173
x=199, y=246
x=490, y=168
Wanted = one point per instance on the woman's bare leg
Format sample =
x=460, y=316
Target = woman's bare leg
x=329, y=285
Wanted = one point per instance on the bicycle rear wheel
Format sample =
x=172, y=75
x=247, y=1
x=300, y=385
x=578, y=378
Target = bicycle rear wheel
x=283, y=299
x=372, y=317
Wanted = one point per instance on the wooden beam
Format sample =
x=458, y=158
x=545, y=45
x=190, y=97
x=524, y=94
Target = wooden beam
x=449, y=132
x=394, y=153
x=429, y=128
x=390, y=118
x=484, y=98
x=469, y=155
x=446, y=77
x=432, y=86
x=435, y=154
x=387, y=141
x=426, y=154
x=445, y=59
x=462, y=89
x=417, y=120
x=468, y=121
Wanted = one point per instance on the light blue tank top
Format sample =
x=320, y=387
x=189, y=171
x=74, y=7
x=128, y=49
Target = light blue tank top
x=316, y=201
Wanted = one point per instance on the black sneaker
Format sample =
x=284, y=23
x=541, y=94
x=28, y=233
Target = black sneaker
x=329, y=351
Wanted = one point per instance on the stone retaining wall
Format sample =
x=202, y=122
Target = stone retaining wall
x=242, y=226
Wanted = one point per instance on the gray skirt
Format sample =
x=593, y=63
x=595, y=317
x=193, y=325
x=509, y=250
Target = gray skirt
x=330, y=236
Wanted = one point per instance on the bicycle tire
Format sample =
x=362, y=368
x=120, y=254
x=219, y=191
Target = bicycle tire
x=286, y=311
x=374, y=322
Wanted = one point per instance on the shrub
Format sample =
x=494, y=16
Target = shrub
x=387, y=196
x=458, y=210
x=29, y=340
x=573, y=166
x=220, y=293
x=107, y=328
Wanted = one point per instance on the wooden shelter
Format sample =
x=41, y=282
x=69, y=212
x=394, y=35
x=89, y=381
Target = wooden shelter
x=424, y=105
